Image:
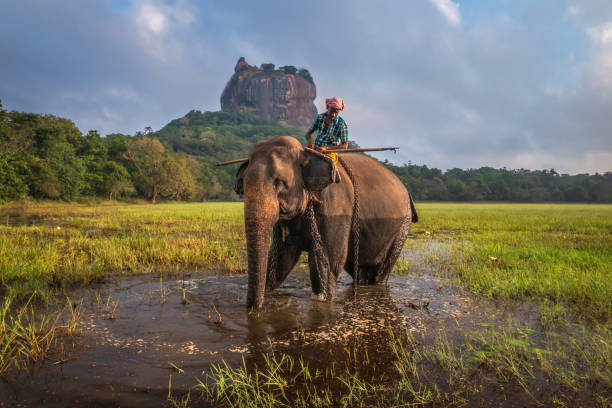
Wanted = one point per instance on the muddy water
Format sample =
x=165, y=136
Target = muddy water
x=136, y=331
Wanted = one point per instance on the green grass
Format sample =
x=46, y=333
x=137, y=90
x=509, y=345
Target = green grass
x=29, y=334
x=557, y=254
x=73, y=244
x=553, y=253
x=483, y=368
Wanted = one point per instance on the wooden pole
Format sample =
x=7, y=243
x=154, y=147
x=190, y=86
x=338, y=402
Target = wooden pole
x=358, y=150
x=225, y=163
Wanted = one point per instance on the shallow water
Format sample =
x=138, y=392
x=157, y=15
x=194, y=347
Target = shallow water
x=123, y=354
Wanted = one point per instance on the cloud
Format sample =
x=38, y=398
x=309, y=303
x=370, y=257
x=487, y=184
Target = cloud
x=600, y=71
x=516, y=86
x=158, y=16
x=449, y=10
x=159, y=27
x=601, y=34
x=573, y=10
x=152, y=19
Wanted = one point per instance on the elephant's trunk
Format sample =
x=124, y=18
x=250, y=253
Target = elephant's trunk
x=260, y=215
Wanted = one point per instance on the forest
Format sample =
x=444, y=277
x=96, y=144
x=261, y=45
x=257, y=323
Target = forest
x=48, y=157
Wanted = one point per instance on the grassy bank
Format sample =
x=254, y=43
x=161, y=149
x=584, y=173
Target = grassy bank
x=558, y=254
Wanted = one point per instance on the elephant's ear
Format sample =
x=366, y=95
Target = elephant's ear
x=239, y=186
x=318, y=170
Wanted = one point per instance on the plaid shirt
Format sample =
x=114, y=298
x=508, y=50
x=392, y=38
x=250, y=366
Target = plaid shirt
x=334, y=135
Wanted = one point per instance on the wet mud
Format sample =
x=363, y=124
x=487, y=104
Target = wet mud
x=137, y=332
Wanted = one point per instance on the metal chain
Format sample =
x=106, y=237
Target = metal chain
x=355, y=225
x=320, y=257
x=273, y=256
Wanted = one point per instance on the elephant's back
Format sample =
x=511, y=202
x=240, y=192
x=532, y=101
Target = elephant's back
x=381, y=193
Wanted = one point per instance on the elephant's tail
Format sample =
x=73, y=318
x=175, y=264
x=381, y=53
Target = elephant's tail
x=415, y=216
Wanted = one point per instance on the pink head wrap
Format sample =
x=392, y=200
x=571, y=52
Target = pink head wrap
x=334, y=102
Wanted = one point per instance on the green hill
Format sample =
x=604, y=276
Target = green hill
x=213, y=137
x=220, y=135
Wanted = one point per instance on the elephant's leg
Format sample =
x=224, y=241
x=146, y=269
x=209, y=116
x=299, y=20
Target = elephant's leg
x=394, y=252
x=367, y=274
x=287, y=257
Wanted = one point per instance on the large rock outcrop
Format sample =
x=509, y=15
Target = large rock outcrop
x=285, y=95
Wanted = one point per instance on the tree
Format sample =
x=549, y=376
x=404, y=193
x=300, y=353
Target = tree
x=178, y=181
x=13, y=172
x=267, y=67
x=304, y=73
x=115, y=180
x=93, y=153
x=147, y=158
x=289, y=69
x=116, y=145
x=576, y=194
x=42, y=179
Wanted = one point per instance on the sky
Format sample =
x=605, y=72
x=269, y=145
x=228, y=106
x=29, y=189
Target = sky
x=454, y=83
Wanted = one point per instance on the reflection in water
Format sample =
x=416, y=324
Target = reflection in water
x=127, y=360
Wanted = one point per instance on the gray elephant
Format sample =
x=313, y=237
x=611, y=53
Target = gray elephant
x=278, y=182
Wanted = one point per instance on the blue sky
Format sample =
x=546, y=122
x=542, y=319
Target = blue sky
x=507, y=83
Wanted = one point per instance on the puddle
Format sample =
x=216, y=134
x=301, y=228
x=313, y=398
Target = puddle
x=124, y=354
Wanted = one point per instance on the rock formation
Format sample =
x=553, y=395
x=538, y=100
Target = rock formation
x=285, y=95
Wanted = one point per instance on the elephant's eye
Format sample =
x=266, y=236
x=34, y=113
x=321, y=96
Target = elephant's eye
x=280, y=184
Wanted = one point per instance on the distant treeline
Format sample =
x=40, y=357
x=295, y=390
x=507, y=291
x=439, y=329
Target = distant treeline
x=489, y=184
x=43, y=156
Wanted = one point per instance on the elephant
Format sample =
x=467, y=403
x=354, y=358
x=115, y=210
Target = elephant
x=278, y=181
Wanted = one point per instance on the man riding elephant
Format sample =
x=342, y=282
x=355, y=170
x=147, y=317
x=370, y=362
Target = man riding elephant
x=333, y=131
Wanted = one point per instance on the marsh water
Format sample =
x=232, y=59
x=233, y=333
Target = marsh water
x=137, y=332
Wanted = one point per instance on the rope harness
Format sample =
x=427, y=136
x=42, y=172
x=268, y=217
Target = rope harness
x=321, y=261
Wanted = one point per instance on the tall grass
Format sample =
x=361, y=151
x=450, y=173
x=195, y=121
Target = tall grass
x=29, y=335
x=482, y=368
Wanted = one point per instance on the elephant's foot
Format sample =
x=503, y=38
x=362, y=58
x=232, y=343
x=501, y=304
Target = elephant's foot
x=319, y=297
x=367, y=275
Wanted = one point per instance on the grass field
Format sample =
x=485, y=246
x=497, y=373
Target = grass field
x=557, y=254
x=57, y=245
x=555, y=257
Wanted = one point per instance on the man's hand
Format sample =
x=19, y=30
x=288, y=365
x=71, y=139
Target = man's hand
x=309, y=141
x=342, y=146
x=321, y=148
